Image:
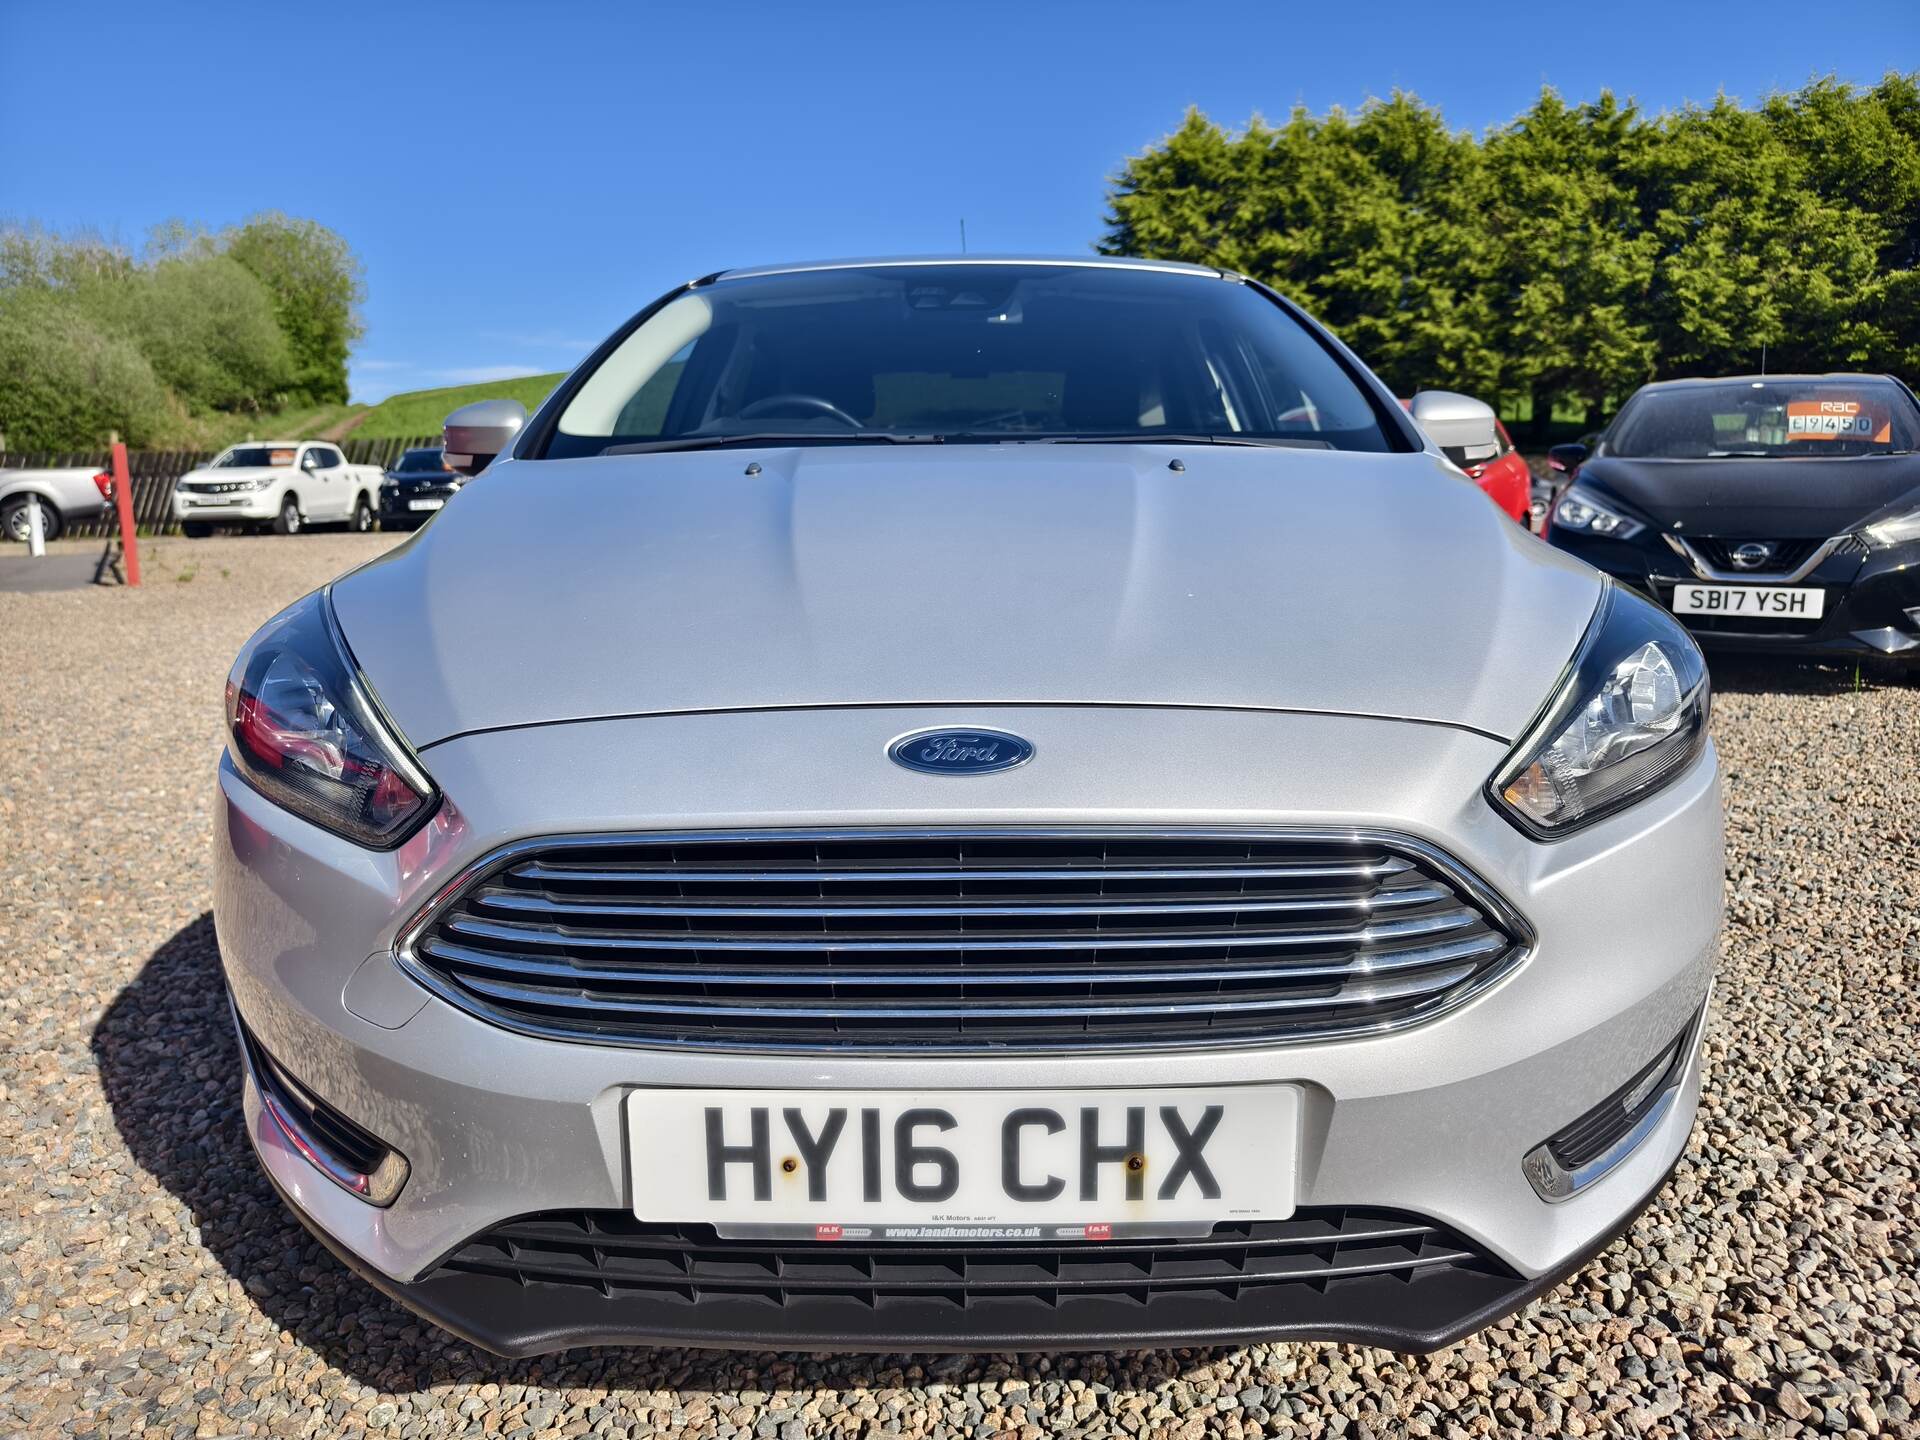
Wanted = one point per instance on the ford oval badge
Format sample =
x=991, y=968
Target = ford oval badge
x=960, y=752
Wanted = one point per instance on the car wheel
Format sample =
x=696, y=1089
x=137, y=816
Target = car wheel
x=14, y=520
x=288, y=522
x=195, y=529
x=362, y=516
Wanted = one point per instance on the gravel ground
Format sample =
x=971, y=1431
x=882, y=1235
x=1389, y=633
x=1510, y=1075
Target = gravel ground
x=151, y=1284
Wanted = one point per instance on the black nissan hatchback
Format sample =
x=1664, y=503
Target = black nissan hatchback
x=415, y=488
x=1777, y=513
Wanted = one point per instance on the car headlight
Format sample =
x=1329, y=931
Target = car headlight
x=1628, y=716
x=1894, y=530
x=306, y=732
x=1580, y=509
x=265, y=483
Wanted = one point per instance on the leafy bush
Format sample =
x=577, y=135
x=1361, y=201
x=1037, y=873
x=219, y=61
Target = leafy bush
x=205, y=324
x=65, y=384
x=208, y=326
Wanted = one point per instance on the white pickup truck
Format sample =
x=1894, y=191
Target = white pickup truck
x=67, y=496
x=285, y=484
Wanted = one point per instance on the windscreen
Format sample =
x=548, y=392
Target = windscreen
x=979, y=352
x=420, y=460
x=1766, y=419
x=255, y=455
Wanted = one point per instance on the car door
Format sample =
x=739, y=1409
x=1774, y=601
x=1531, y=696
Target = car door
x=331, y=500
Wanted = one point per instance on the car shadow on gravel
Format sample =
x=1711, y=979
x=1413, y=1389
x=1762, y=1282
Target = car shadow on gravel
x=170, y=1069
x=1784, y=675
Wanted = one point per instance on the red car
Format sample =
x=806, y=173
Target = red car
x=1505, y=478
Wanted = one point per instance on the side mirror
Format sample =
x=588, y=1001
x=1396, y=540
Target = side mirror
x=1569, y=457
x=1459, y=424
x=475, y=433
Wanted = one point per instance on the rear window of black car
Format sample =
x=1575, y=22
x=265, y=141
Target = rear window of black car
x=1766, y=419
x=972, y=352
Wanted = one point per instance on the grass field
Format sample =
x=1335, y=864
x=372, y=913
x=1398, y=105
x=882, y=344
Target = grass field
x=420, y=412
x=297, y=422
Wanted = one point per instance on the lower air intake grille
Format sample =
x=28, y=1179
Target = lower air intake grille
x=965, y=939
x=612, y=1253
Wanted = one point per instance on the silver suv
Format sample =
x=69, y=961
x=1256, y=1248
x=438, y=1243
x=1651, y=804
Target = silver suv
x=957, y=803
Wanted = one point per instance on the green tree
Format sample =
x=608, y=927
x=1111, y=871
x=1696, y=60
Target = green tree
x=1755, y=260
x=1370, y=221
x=1573, y=253
x=1574, y=262
x=203, y=322
x=315, y=282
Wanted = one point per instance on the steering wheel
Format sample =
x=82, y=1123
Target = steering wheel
x=771, y=404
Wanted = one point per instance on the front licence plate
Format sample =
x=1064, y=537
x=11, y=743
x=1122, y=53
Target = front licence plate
x=1782, y=602
x=425, y=504
x=965, y=1164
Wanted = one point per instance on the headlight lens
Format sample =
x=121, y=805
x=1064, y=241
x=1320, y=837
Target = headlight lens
x=305, y=731
x=1580, y=509
x=1894, y=530
x=265, y=482
x=1630, y=714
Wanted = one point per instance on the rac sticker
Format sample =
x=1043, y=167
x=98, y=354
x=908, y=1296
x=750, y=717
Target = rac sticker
x=1837, y=420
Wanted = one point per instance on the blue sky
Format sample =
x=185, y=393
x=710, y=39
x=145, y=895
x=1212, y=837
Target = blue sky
x=519, y=179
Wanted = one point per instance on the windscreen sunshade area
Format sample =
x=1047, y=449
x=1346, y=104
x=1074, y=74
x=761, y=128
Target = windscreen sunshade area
x=972, y=352
x=1763, y=418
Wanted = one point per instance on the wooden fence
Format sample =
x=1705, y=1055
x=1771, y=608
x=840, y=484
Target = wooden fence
x=154, y=472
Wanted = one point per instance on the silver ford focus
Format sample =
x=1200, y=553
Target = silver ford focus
x=941, y=804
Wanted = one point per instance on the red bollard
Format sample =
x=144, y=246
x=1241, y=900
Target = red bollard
x=123, y=501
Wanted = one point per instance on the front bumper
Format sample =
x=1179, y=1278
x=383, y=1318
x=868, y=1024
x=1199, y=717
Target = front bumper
x=240, y=505
x=1433, y=1122
x=396, y=503
x=1872, y=598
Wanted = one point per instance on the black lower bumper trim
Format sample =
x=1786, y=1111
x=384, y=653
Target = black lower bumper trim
x=1306, y=1282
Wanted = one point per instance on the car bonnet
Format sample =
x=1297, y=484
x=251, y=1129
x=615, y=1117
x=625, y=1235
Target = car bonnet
x=1777, y=498
x=998, y=574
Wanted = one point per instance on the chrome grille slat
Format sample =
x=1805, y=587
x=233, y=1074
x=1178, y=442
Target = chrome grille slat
x=990, y=939
x=920, y=1010
x=1383, y=963
x=699, y=875
x=544, y=904
x=782, y=943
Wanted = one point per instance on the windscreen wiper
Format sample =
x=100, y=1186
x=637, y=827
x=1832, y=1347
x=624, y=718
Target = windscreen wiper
x=765, y=438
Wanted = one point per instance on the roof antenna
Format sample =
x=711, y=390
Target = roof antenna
x=1763, y=359
x=963, y=234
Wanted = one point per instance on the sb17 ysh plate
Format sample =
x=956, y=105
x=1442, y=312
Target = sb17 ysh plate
x=1778, y=602
x=964, y=1165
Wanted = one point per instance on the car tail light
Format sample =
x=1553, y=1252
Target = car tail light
x=103, y=482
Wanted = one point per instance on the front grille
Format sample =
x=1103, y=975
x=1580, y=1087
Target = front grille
x=965, y=939
x=1787, y=554
x=689, y=1266
x=216, y=487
